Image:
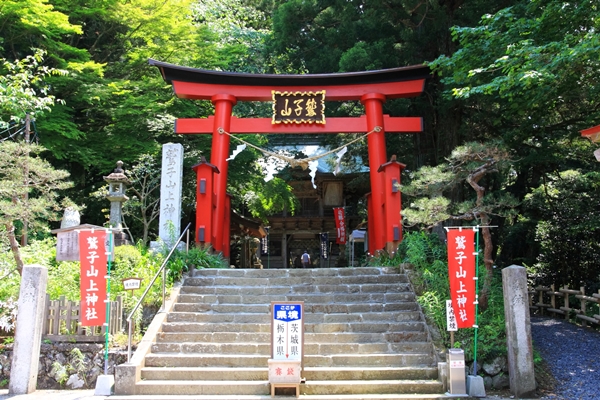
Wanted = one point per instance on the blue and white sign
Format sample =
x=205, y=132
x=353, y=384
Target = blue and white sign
x=287, y=330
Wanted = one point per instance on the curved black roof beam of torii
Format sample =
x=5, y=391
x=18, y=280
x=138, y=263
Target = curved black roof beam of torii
x=199, y=84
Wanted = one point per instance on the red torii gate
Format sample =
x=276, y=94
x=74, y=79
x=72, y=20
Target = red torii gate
x=372, y=88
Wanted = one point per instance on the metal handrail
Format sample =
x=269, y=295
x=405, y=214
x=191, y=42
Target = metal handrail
x=164, y=272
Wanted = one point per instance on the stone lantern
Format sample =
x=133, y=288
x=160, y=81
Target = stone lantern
x=117, y=184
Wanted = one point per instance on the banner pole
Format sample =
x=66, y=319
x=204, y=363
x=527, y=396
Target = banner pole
x=107, y=303
x=476, y=326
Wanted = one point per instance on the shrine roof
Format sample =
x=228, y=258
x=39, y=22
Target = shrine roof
x=172, y=72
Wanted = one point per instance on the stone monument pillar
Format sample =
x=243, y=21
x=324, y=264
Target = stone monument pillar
x=117, y=184
x=518, y=331
x=28, y=335
x=170, y=193
x=70, y=218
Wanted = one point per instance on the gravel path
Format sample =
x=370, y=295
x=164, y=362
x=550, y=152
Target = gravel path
x=573, y=356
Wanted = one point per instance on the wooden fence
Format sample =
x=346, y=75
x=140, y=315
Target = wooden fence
x=557, y=303
x=61, y=322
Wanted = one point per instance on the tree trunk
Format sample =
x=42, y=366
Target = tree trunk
x=473, y=180
x=14, y=247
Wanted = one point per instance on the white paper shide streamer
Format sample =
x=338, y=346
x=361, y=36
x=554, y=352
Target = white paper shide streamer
x=238, y=150
x=271, y=169
x=312, y=166
x=339, y=154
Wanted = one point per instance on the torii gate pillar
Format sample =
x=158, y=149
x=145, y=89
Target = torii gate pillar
x=373, y=103
x=391, y=172
x=220, y=152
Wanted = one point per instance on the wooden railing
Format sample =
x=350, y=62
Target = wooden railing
x=61, y=322
x=558, y=303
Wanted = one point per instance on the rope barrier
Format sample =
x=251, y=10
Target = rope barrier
x=302, y=162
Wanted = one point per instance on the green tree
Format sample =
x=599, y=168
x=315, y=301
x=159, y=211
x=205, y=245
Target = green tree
x=28, y=183
x=144, y=205
x=438, y=191
x=23, y=91
x=36, y=201
x=567, y=206
x=529, y=75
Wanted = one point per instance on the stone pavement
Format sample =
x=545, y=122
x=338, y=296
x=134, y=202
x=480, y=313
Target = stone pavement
x=52, y=395
x=89, y=395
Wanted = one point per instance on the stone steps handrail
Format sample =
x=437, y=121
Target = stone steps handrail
x=162, y=270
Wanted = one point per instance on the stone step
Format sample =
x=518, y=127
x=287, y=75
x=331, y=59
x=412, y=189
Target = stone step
x=239, y=387
x=309, y=348
x=265, y=337
x=309, y=318
x=227, y=388
x=370, y=387
x=260, y=360
x=206, y=360
x=294, y=281
x=368, y=373
x=295, y=290
x=357, y=327
x=308, y=308
x=364, y=337
x=309, y=373
x=370, y=360
x=412, y=396
x=205, y=373
x=279, y=273
x=324, y=299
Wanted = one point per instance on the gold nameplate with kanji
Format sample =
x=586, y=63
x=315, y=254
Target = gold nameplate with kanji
x=298, y=107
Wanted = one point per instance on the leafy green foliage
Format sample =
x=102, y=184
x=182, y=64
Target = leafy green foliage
x=23, y=90
x=183, y=261
x=336, y=35
x=144, y=205
x=30, y=24
x=8, y=315
x=29, y=188
x=270, y=198
x=568, y=208
x=528, y=76
x=435, y=187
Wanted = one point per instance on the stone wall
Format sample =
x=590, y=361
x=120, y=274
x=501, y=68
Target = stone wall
x=494, y=373
x=66, y=365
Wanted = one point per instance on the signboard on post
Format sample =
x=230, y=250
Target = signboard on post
x=132, y=283
x=450, y=317
x=287, y=344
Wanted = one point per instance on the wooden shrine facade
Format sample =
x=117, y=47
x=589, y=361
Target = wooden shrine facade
x=225, y=89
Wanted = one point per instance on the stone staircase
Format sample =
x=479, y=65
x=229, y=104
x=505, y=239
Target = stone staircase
x=365, y=337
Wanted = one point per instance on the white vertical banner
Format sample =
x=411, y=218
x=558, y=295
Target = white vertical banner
x=450, y=317
x=170, y=193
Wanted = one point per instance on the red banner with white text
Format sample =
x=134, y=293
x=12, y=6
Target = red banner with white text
x=92, y=256
x=461, y=271
x=340, y=225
